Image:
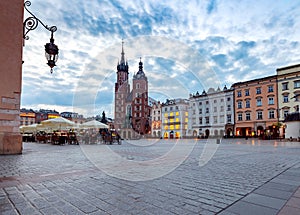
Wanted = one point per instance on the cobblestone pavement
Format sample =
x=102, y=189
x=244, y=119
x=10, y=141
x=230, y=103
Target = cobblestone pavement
x=243, y=177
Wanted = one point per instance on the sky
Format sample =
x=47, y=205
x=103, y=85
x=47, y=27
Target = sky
x=186, y=46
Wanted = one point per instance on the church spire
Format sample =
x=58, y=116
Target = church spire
x=122, y=54
x=141, y=65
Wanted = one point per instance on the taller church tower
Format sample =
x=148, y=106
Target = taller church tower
x=132, y=112
x=122, y=90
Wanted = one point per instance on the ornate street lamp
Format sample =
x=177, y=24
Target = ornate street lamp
x=31, y=23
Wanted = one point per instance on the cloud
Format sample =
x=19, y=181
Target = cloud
x=228, y=40
x=212, y=6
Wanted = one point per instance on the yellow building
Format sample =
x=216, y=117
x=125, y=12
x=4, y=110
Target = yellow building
x=27, y=117
x=174, y=118
x=288, y=79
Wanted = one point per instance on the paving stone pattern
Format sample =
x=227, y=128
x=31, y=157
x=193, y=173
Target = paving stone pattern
x=243, y=177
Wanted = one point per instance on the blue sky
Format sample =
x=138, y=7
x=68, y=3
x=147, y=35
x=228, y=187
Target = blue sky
x=186, y=46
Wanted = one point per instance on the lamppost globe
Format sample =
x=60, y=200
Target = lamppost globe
x=51, y=53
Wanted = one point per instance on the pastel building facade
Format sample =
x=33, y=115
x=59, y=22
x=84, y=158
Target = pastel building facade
x=256, y=106
x=288, y=79
x=174, y=118
x=211, y=113
x=156, y=117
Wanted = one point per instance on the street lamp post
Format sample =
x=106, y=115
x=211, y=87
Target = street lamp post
x=31, y=23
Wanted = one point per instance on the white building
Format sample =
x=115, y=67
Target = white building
x=174, y=118
x=292, y=126
x=211, y=113
x=156, y=119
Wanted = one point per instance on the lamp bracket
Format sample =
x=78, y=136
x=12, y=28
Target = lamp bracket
x=32, y=22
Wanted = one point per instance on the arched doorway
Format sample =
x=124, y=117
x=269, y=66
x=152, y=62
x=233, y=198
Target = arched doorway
x=229, y=132
x=166, y=136
x=154, y=133
x=206, y=133
x=216, y=133
x=194, y=133
x=171, y=134
x=260, y=131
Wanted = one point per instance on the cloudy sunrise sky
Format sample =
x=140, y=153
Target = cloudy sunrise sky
x=186, y=46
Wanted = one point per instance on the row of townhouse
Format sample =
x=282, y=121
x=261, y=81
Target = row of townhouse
x=256, y=107
x=29, y=116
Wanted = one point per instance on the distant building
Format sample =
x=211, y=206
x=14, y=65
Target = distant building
x=75, y=117
x=211, y=113
x=156, y=118
x=44, y=114
x=174, y=118
x=256, y=107
x=132, y=112
x=27, y=116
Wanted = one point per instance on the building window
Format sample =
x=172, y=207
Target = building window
x=285, y=86
x=222, y=108
x=271, y=100
x=228, y=107
x=171, y=108
x=297, y=84
x=247, y=103
x=270, y=89
x=258, y=102
x=247, y=93
x=248, y=116
x=207, y=110
x=229, y=118
x=200, y=120
x=240, y=116
x=215, y=101
x=215, y=109
x=239, y=94
x=176, y=108
x=166, y=109
x=137, y=86
x=271, y=114
x=258, y=90
x=207, y=102
x=228, y=99
x=259, y=115
x=215, y=119
x=200, y=103
x=207, y=120
x=286, y=98
x=222, y=119
x=200, y=111
x=240, y=104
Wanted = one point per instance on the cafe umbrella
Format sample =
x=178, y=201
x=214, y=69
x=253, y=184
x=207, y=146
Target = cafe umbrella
x=58, y=123
x=93, y=124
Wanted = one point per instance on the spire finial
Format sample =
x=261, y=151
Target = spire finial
x=122, y=53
